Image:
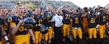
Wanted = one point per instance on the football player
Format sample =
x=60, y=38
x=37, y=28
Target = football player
x=1, y=28
x=37, y=29
x=84, y=17
x=77, y=26
x=21, y=34
x=48, y=24
x=5, y=26
x=101, y=23
x=66, y=26
x=92, y=33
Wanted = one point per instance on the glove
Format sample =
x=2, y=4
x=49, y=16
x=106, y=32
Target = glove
x=97, y=27
x=76, y=28
x=6, y=39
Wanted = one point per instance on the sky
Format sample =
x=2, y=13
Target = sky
x=89, y=3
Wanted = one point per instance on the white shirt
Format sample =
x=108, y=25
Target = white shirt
x=58, y=20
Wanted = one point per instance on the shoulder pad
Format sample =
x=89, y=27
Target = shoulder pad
x=14, y=19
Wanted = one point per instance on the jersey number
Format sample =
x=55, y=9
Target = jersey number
x=76, y=20
x=92, y=20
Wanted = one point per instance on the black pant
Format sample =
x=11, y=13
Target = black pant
x=58, y=35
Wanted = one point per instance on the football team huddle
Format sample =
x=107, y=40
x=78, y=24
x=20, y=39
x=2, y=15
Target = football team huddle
x=22, y=25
